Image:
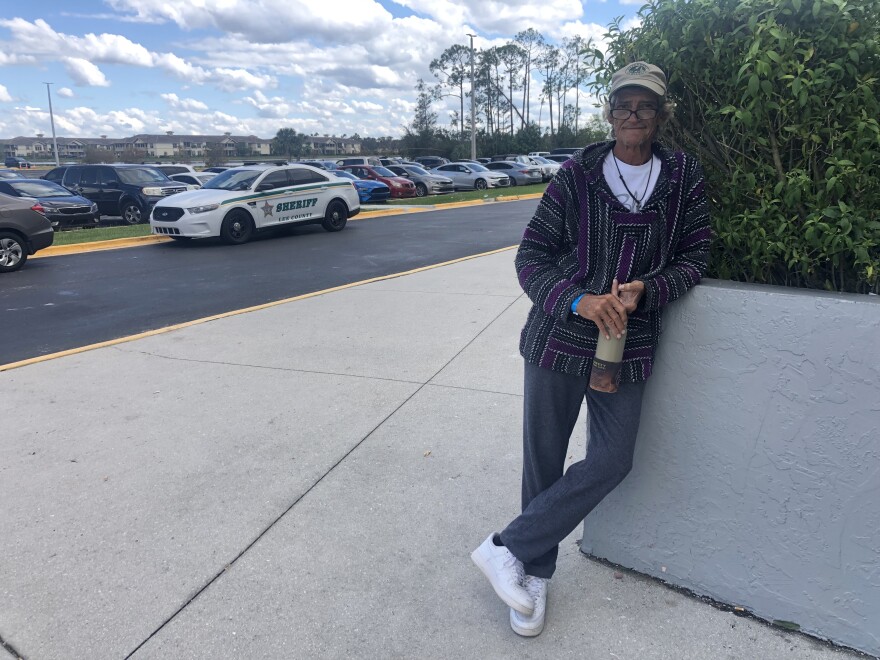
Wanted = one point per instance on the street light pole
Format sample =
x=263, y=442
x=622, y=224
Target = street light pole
x=52, y=119
x=473, y=101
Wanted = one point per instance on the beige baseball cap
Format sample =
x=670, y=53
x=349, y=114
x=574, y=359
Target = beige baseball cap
x=639, y=74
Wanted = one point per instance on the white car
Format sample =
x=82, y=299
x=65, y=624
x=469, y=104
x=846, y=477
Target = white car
x=193, y=180
x=471, y=176
x=243, y=200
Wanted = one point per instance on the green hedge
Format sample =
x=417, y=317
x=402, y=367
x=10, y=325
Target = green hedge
x=778, y=98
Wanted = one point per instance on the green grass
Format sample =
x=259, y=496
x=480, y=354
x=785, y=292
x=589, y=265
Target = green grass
x=470, y=195
x=76, y=236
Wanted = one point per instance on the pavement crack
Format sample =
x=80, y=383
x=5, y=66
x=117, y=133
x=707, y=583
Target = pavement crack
x=11, y=649
x=270, y=368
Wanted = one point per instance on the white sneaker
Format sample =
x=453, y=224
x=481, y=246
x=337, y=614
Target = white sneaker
x=505, y=574
x=531, y=626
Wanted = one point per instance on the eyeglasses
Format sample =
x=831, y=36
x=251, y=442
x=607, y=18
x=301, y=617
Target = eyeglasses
x=641, y=113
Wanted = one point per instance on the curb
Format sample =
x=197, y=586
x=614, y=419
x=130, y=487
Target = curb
x=97, y=246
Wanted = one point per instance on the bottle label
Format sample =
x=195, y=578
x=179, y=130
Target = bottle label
x=604, y=375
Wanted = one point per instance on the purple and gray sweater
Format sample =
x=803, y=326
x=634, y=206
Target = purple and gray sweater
x=581, y=237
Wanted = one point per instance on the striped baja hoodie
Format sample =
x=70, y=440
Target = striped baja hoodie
x=581, y=237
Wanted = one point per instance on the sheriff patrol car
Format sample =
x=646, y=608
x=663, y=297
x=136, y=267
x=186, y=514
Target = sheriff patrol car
x=243, y=200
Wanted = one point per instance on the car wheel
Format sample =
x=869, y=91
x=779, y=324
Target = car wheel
x=480, y=184
x=13, y=253
x=421, y=190
x=512, y=181
x=131, y=213
x=237, y=228
x=336, y=217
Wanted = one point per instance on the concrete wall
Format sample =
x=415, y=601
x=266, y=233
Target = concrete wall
x=757, y=470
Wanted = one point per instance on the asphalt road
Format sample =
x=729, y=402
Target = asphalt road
x=64, y=302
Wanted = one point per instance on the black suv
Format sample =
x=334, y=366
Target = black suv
x=129, y=191
x=15, y=161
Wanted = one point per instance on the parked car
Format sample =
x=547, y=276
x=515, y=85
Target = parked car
x=426, y=183
x=430, y=162
x=359, y=160
x=369, y=192
x=15, y=161
x=62, y=208
x=483, y=161
x=321, y=164
x=515, y=158
x=558, y=158
x=216, y=169
x=564, y=150
x=244, y=200
x=390, y=160
x=539, y=153
x=549, y=168
x=23, y=231
x=470, y=176
x=10, y=174
x=129, y=191
x=175, y=169
x=193, y=180
x=400, y=187
x=520, y=174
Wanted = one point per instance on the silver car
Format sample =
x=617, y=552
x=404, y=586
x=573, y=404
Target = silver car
x=470, y=176
x=548, y=167
x=426, y=183
x=520, y=174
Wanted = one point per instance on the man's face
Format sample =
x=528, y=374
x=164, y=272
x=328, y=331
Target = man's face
x=632, y=131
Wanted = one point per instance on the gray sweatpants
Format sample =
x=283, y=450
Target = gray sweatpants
x=554, y=504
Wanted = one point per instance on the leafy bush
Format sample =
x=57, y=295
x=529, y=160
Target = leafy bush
x=778, y=99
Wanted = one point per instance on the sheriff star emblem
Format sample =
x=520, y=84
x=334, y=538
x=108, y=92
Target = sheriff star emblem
x=267, y=209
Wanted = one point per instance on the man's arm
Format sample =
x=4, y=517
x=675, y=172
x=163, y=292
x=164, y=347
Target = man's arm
x=690, y=256
x=541, y=278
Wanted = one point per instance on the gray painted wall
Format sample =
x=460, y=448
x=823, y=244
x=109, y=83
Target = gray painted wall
x=757, y=471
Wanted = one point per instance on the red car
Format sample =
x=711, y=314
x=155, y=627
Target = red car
x=400, y=187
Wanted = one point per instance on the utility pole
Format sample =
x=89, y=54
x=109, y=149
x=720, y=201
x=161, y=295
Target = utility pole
x=52, y=119
x=473, y=102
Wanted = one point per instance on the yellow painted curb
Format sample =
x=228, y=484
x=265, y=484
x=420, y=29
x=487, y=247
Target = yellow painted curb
x=96, y=246
x=255, y=308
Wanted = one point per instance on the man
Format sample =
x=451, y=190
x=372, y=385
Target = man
x=622, y=230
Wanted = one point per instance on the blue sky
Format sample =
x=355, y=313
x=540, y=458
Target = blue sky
x=335, y=67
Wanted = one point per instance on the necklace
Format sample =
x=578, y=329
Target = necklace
x=638, y=200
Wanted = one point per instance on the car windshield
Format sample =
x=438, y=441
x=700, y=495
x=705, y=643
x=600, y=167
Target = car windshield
x=383, y=171
x=412, y=169
x=233, y=180
x=543, y=160
x=39, y=189
x=141, y=175
x=345, y=175
x=476, y=167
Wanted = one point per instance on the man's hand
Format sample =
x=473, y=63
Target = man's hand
x=606, y=311
x=630, y=294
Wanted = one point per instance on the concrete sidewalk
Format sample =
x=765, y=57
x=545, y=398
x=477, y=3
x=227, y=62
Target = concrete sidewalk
x=303, y=481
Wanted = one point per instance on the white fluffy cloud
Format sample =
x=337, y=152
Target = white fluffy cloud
x=84, y=73
x=183, y=104
x=5, y=96
x=66, y=92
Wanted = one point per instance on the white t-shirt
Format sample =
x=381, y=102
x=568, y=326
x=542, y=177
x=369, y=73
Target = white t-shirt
x=640, y=179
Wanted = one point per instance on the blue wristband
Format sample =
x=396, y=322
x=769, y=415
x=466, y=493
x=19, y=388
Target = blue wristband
x=575, y=302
